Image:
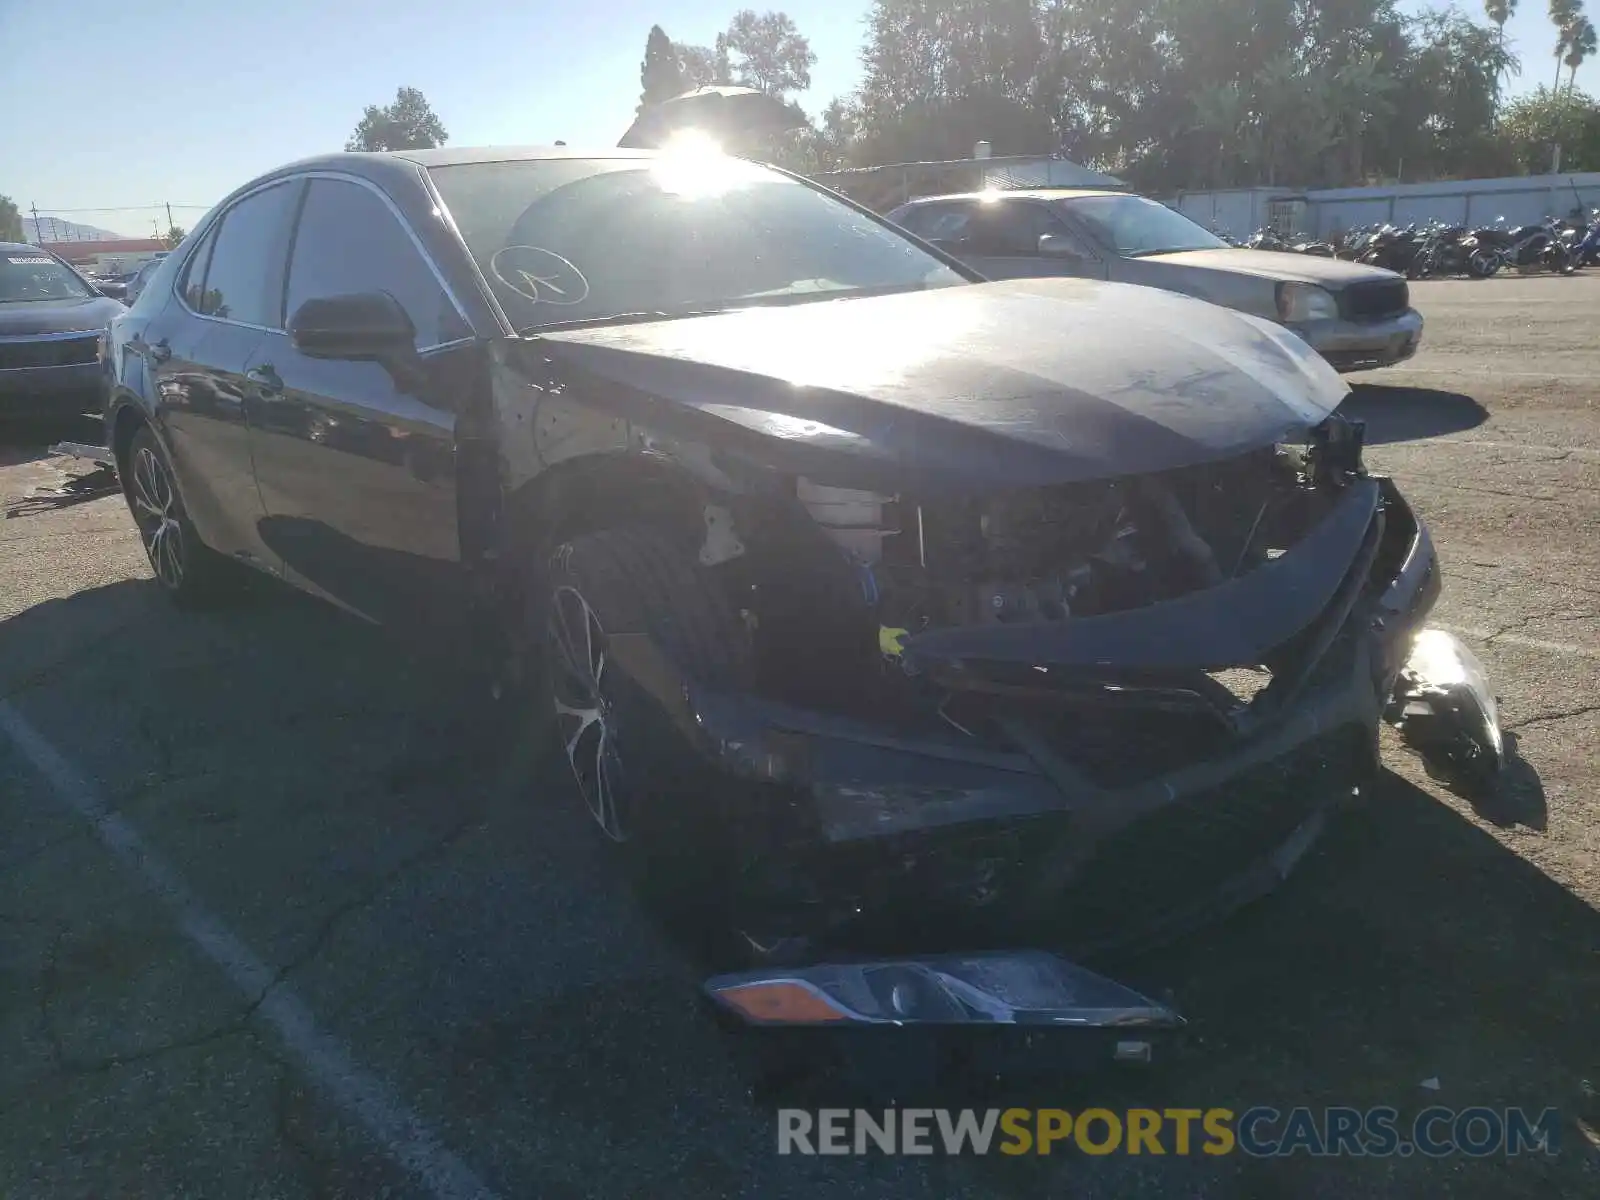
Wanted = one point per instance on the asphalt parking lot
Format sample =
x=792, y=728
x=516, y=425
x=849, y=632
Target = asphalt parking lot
x=284, y=913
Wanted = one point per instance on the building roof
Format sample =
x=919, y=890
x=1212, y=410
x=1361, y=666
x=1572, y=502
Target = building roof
x=73, y=251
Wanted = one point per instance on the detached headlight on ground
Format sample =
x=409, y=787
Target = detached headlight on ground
x=1299, y=302
x=1446, y=711
x=1008, y=988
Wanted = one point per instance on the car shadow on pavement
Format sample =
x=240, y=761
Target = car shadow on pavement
x=1413, y=948
x=1414, y=959
x=1395, y=413
x=15, y=453
x=1517, y=796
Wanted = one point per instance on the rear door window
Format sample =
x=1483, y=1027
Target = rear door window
x=193, y=284
x=244, y=277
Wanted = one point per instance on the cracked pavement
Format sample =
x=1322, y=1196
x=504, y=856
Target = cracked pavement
x=400, y=853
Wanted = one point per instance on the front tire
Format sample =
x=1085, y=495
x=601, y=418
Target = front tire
x=635, y=772
x=191, y=573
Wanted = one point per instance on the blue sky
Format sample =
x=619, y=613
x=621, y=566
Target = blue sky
x=180, y=101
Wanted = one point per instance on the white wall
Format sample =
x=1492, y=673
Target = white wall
x=1520, y=200
x=1239, y=211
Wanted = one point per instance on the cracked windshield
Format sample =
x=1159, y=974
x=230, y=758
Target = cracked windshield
x=905, y=598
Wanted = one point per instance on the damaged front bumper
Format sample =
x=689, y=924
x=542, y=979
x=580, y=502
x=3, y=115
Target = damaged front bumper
x=886, y=843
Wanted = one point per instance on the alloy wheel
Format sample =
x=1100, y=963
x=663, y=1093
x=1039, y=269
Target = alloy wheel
x=155, y=511
x=584, y=712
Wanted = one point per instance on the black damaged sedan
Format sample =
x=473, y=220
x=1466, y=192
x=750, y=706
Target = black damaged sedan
x=915, y=613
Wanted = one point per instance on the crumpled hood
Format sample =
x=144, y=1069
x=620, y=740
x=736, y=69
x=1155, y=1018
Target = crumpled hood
x=1275, y=264
x=21, y=317
x=1028, y=381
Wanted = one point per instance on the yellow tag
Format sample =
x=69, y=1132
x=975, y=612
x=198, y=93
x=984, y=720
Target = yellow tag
x=889, y=640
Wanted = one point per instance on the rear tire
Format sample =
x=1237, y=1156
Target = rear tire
x=191, y=573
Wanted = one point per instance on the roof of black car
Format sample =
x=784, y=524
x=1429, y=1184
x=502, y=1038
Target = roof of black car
x=379, y=161
x=451, y=156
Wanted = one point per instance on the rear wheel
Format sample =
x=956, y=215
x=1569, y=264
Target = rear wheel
x=1482, y=263
x=188, y=570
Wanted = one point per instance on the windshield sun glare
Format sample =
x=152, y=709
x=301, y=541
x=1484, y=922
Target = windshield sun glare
x=566, y=241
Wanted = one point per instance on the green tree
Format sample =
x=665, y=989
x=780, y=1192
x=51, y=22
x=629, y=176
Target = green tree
x=407, y=124
x=1580, y=45
x=702, y=65
x=766, y=51
x=1532, y=125
x=837, y=133
x=1185, y=93
x=10, y=221
x=1563, y=15
x=660, y=74
x=1499, y=12
x=174, y=236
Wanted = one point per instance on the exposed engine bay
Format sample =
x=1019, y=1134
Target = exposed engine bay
x=1041, y=556
x=1077, y=550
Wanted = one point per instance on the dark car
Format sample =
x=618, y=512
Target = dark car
x=114, y=285
x=1355, y=315
x=51, y=321
x=878, y=608
x=136, y=282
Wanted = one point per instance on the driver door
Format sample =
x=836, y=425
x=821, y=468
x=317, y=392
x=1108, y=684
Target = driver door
x=357, y=472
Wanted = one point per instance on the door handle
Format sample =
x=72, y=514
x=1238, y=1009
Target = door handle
x=265, y=377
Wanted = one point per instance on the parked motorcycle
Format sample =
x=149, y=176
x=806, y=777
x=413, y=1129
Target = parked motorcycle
x=1529, y=247
x=1388, y=247
x=1453, y=250
x=1295, y=243
x=1586, y=244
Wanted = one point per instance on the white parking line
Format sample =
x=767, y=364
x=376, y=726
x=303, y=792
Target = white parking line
x=1517, y=639
x=362, y=1097
x=1476, y=373
x=1528, y=447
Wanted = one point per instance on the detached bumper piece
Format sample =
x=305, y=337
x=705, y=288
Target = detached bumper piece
x=1446, y=712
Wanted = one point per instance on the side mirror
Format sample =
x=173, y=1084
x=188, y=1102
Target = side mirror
x=364, y=327
x=1053, y=245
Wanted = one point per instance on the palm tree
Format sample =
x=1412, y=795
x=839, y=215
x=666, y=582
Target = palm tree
x=1581, y=43
x=1499, y=12
x=1564, y=14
